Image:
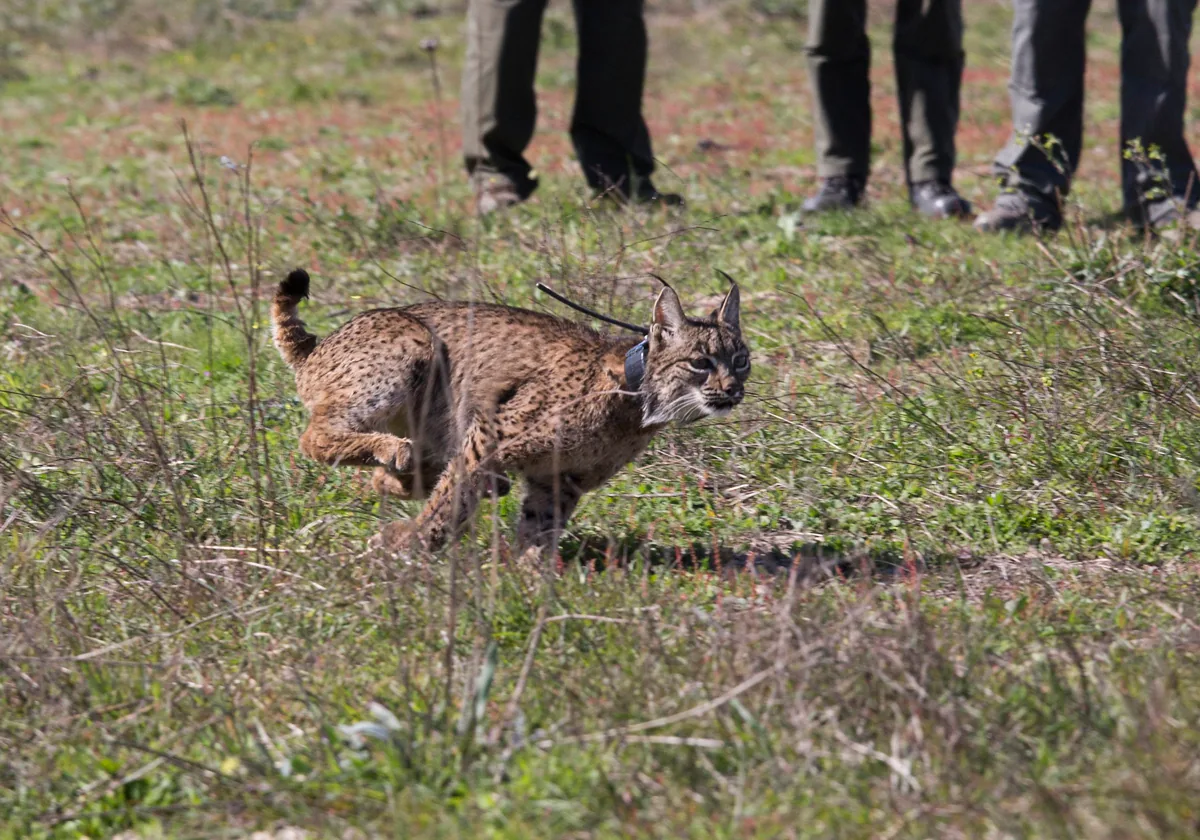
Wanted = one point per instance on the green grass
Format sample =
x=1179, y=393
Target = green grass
x=936, y=577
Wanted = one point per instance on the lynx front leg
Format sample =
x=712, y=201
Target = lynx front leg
x=548, y=504
x=455, y=496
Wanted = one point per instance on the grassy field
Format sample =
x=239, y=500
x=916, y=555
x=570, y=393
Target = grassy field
x=937, y=577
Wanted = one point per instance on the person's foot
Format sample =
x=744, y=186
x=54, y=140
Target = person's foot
x=938, y=200
x=1020, y=211
x=645, y=194
x=841, y=192
x=496, y=192
x=1164, y=213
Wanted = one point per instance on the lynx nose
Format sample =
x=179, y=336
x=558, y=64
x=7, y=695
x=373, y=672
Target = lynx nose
x=729, y=395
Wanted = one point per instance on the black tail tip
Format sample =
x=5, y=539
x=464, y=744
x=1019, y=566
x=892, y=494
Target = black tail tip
x=295, y=284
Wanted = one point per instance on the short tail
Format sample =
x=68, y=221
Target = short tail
x=294, y=342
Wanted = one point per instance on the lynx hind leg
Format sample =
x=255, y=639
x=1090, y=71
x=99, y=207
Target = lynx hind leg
x=332, y=439
x=359, y=381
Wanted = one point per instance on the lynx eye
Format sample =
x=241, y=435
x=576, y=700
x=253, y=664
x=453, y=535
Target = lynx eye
x=702, y=364
x=741, y=361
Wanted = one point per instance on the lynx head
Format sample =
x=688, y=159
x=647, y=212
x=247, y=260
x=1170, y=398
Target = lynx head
x=694, y=367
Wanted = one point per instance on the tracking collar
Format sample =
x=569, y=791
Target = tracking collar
x=635, y=365
x=635, y=359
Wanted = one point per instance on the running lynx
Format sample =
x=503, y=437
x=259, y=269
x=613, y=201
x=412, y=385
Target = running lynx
x=446, y=400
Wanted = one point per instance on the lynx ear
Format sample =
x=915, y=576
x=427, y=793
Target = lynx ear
x=668, y=311
x=730, y=312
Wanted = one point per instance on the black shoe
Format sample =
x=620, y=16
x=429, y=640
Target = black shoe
x=841, y=192
x=645, y=194
x=1021, y=211
x=938, y=200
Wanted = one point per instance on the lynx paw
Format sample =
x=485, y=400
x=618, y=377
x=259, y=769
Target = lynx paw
x=395, y=538
x=499, y=483
x=387, y=483
x=396, y=458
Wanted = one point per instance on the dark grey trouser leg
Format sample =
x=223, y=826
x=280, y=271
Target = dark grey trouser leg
x=499, y=107
x=1046, y=91
x=927, y=44
x=607, y=127
x=839, y=65
x=1154, y=68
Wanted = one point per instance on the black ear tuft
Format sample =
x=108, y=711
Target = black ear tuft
x=295, y=284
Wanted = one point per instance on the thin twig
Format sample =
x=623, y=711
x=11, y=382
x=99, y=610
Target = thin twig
x=696, y=711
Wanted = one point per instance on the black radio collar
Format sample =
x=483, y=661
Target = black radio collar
x=635, y=365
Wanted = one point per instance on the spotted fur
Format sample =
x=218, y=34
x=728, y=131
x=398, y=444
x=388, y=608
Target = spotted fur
x=447, y=400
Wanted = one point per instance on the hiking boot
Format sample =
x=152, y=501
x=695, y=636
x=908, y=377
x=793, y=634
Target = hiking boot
x=841, y=192
x=1020, y=211
x=1164, y=213
x=938, y=200
x=496, y=192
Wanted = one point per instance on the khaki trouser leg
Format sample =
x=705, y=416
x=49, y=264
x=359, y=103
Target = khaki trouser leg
x=499, y=108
